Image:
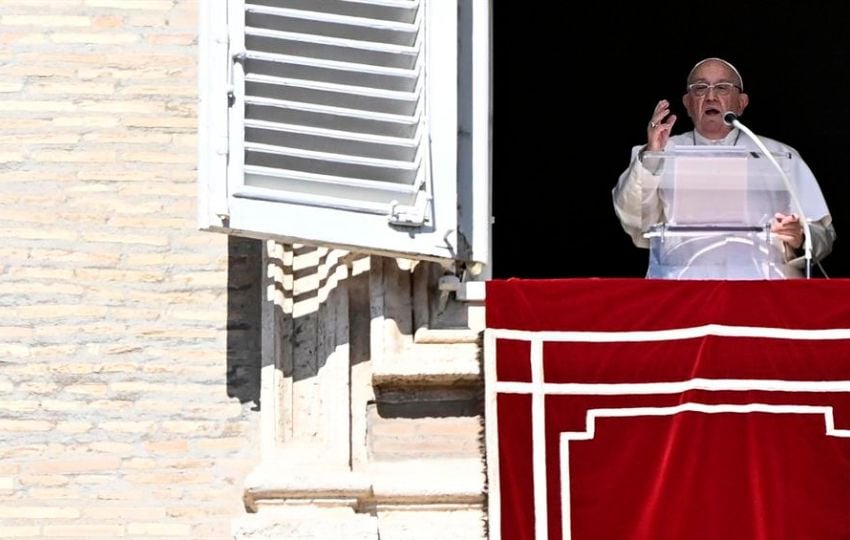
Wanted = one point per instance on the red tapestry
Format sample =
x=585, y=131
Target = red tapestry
x=649, y=409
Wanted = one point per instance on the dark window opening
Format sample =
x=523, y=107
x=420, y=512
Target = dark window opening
x=573, y=90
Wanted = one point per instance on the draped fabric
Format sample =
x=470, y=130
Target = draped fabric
x=643, y=409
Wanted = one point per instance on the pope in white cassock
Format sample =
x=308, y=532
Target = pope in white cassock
x=644, y=195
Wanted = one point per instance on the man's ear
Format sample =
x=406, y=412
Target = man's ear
x=688, y=102
x=743, y=101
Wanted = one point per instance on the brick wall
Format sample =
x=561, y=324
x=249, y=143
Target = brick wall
x=128, y=339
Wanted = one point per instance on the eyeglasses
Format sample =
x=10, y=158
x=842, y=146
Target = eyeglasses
x=721, y=88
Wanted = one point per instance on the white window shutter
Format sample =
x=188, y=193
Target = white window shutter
x=335, y=123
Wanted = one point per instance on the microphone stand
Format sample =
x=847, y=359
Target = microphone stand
x=731, y=119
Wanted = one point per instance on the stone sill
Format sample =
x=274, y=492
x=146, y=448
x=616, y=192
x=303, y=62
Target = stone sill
x=416, y=483
x=431, y=364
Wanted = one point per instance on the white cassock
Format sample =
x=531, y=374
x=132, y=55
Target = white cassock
x=642, y=199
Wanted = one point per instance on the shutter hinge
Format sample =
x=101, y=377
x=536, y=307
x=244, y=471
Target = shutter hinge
x=409, y=216
x=235, y=58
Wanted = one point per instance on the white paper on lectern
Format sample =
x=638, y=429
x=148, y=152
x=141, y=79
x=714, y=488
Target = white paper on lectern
x=707, y=190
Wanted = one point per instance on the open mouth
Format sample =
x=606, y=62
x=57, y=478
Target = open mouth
x=711, y=111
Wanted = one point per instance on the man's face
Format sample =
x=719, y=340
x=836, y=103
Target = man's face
x=706, y=105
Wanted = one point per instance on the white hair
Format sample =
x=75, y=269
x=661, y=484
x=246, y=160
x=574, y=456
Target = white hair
x=722, y=61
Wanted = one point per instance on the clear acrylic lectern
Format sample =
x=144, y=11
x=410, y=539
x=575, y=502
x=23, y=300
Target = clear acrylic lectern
x=707, y=212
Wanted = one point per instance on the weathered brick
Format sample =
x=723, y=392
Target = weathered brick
x=93, y=38
x=67, y=4
x=161, y=90
x=128, y=513
x=26, y=124
x=94, y=479
x=35, y=273
x=106, y=21
x=45, y=20
x=24, y=425
x=11, y=86
x=54, y=493
x=88, y=389
x=38, y=512
x=74, y=464
x=96, y=328
x=10, y=157
x=84, y=531
x=35, y=287
x=15, y=332
x=73, y=427
x=43, y=480
x=23, y=38
x=158, y=157
x=122, y=107
x=72, y=89
x=140, y=464
x=37, y=387
x=78, y=257
x=177, y=446
x=227, y=444
x=75, y=156
x=160, y=529
x=14, y=350
x=9, y=451
x=19, y=531
x=59, y=311
x=127, y=137
x=20, y=405
x=153, y=5
x=75, y=368
x=125, y=276
x=144, y=386
x=34, y=106
x=60, y=405
x=161, y=122
x=53, y=351
x=128, y=426
x=147, y=240
x=167, y=331
x=160, y=259
x=34, y=69
x=112, y=447
x=168, y=479
x=85, y=121
x=170, y=39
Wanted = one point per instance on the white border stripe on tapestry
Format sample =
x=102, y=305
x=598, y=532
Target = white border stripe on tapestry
x=740, y=408
x=566, y=515
x=713, y=385
x=690, y=332
x=538, y=442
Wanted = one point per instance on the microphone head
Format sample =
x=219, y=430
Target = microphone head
x=729, y=118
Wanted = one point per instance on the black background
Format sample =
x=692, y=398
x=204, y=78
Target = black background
x=574, y=87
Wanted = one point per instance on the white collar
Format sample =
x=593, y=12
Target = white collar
x=729, y=140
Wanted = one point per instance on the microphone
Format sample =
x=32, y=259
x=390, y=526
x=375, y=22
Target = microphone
x=731, y=119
